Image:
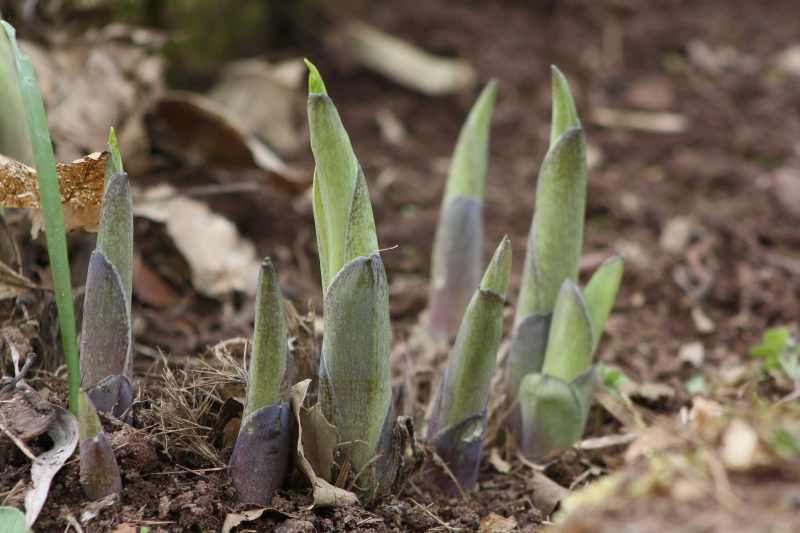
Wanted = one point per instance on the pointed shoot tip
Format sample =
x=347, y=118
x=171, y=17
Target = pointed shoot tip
x=315, y=83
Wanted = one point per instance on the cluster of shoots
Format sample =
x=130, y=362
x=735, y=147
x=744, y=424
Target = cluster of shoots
x=549, y=374
x=549, y=377
x=100, y=379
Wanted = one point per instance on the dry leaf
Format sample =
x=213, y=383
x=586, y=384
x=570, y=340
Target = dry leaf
x=221, y=260
x=325, y=494
x=234, y=519
x=63, y=431
x=81, y=184
x=202, y=133
x=494, y=523
x=280, y=121
x=319, y=440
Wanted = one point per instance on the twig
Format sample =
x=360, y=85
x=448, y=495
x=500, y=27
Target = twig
x=432, y=515
x=438, y=461
x=21, y=445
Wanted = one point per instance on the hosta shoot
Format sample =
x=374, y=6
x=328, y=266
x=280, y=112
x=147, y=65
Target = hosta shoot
x=458, y=420
x=100, y=475
x=355, y=391
x=106, y=336
x=457, y=247
x=260, y=459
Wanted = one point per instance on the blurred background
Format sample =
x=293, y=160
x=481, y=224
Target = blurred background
x=691, y=111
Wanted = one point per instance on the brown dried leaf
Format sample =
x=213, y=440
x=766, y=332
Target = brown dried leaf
x=81, y=184
x=494, y=523
x=325, y=494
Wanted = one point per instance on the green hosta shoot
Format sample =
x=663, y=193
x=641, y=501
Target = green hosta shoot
x=556, y=235
x=557, y=328
x=50, y=199
x=458, y=420
x=100, y=475
x=457, y=248
x=355, y=390
x=12, y=520
x=554, y=404
x=260, y=459
x=106, y=337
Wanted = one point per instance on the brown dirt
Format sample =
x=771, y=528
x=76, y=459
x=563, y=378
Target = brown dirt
x=712, y=62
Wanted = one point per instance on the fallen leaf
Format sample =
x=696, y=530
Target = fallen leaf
x=325, y=494
x=648, y=121
x=63, y=431
x=202, y=133
x=676, y=234
x=234, y=519
x=150, y=287
x=692, y=353
x=24, y=413
x=319, y=440
x=648, y=393
x=81, y=184
x=220, y=259
x=404, y=63
x=494, y=523
x=280, y=121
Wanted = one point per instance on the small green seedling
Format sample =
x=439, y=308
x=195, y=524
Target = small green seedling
x=260, y=459
x=457, y=247
x=458, y=421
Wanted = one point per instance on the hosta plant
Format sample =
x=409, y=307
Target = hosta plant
x=458, y=421
x=106, y=333
x=354, y=382
x=260, y=459
x=100, y=474
x=457, y=247
x=557, y=328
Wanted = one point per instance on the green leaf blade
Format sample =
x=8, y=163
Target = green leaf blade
x=570, y=343
x=600, y=294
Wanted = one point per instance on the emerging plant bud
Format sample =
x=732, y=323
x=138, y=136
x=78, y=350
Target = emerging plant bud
x=554, y=242
x=601, y=292
x=99, y=471
x=457, y=247
x=107, y=335
x=260, y=460
x=458, y=420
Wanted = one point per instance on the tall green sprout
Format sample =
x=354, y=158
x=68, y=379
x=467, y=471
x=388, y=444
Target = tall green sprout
x=260, y=459
x=458, y=420
x=14, y=139
x=557, y=328
x=107, y=330
x=458, y=245
x=355, y=390
x=50, y=200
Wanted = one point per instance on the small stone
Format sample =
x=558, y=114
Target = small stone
x=676, y=234
x=692, y=353
x=739, y=445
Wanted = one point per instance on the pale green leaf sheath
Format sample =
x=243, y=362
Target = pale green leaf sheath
x=555, y=239
x=458, y=420
x=571, y=341
x=14, y=139
x=342, y=210
x=457, y=247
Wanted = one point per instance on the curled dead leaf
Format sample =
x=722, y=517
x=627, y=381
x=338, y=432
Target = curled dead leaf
x=81, y=184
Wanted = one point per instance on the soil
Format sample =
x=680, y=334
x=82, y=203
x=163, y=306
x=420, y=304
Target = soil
x=702, y=215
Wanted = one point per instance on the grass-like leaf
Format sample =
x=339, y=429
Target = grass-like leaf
x=457, y=247
x=50, y=199
x=14, y=139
